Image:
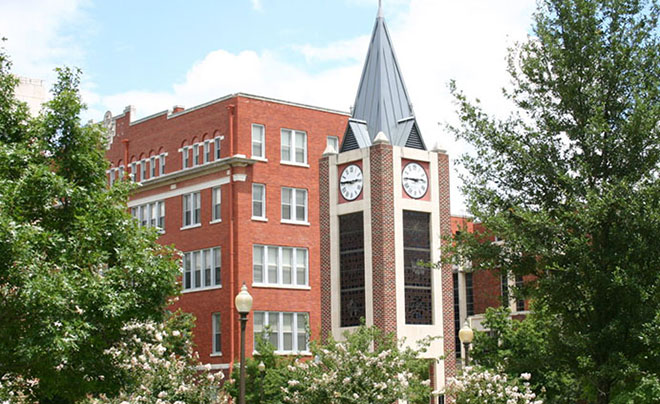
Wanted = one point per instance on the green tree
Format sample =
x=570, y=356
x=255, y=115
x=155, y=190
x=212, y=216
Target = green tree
x=74, y=267
x=570, y=180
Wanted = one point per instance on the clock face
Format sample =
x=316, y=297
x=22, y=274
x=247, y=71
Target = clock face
x=350, y=182
x=415, y=181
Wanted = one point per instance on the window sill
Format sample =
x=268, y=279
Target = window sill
x=215, y=354
x=281, y=286
x=192, y=226
x=293, y=163
x=259, y=219
x=215, y=221
x=201, y=289
x=287, y=353
x=284, y=221
x=262, y=159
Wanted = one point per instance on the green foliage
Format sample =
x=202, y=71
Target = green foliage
x=570, y=181
x=262, y=386
x=369, y=366
x=74, y=267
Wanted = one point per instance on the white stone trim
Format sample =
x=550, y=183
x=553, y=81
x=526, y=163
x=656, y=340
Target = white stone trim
x=180, y=191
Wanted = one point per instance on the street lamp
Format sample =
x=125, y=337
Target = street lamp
x=465, y=334
x=243, y=306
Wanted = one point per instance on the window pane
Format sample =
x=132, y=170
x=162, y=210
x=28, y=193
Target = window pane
x=152, y=166
x=187, y=284
x=217, y=264
x=217, y=333
x=162, y=164
x=258, y=264
x=287, y=331
x=207, y=151
x=198, y=206
x=302, y=332
x=186, y=210
x=161, y=215
x=217, y=148
x=286, y=145
x=272, y=265
x=257, y=140
x=196, y=154
x=197, y=264
x=217, y=198
x=301, y=266
x=153, y=214
x=258, y=326
x=301, y=199
x=257, y=200
x=207, y=267
x=300, y=147
x=287, y=264
x=286, y=203
x=274, y=322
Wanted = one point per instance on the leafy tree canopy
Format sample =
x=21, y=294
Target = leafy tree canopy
x=570, y=180
x=74, y=267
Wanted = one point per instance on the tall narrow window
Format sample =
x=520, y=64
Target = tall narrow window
x=217, y=264
x=161, y=163
x=208, y=264
x=186, y=156
x=457, y=316
x=258, y=143
x=191, y=209
x=134, y=173
x=121, y=173
x=217, y=346
x=258, y=201
x=217, y=207
x=143, y=163
x=197, y=269
x=469, y=294
x=153, y=214
x=417, y=277
x=152, y=166
x=504, y=288
x=216, y=145
x=294, y=146
x=294, y=205
x=111, y=176
x=207, y=151
x=258, y=264
x=351, y=269
x=196, y=154
x=520, y=303
x=161, y=215
x=187, y=271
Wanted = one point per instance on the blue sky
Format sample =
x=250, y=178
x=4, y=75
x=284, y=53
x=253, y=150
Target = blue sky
x=154, y=55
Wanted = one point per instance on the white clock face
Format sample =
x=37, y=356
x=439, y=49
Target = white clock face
x=415, y=181
x=350, y=182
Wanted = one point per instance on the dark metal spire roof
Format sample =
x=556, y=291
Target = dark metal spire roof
x=382, y=102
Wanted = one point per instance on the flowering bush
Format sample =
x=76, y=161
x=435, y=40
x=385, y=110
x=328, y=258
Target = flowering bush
x=352, y=372
x=485, y=386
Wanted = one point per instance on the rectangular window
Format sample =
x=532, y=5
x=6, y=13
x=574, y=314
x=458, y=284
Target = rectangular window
x=417, y=277
x=294, y=205
x=191, y=209
x=134, y=173
x=287, y=332
x=351, y=269
x=121, y=173
x=143, y=163
x=285, y=266
x=294, y=146
x=150, y=214
x=457, y=316
x=504, y=288
x=112, y=176
x=162, y=164
x=207, y=151
x=520, y=303
x=258, y=141
x=334, y=142
x=258, y=201
x=217, y=200
x=196, y=154
x=186, y=157
x=152, y=166
x=201, y=269
x=217, y=340
x=216, y=142
x=469, y=294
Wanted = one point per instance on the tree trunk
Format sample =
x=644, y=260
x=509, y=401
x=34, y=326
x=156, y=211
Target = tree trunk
x=603, y=392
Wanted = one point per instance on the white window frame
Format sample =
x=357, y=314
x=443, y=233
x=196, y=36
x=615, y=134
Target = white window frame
x=152, y=166
x=161, y=164
x=144, y=214
x=207, y=151
x=261, y=141
x=216, y=332
x=277, y=317
x=122, y=169
x=290, y=134
x=195, y=208
x=216, y=214
x=195, y=160
x=134, y=171
x=279, y=281
x=294, y=219
x=263, y=217
x=334, y=140
x=144, y=171
x=217, y=147
x=111, y=174
x=188, y=269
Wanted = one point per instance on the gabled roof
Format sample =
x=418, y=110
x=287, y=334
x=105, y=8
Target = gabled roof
x=382, y=102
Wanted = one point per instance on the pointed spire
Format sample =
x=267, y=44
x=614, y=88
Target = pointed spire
x=382, y=103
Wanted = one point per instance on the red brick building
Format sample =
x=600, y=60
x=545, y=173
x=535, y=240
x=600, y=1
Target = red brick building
x=233, y=184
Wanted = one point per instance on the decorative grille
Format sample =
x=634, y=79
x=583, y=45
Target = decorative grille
x=351, y=269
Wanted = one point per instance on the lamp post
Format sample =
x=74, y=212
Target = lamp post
x=243, y=306
x=465, y=334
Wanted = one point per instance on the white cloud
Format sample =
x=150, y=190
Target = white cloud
x=256, y=5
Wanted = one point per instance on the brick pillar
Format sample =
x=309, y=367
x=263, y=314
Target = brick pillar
x=325, y=251
x=382, y=237
x=447, y=280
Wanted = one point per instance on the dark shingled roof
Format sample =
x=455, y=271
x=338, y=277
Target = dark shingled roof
x=382, y=102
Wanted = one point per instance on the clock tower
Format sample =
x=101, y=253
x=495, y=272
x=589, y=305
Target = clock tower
x=384, y=206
